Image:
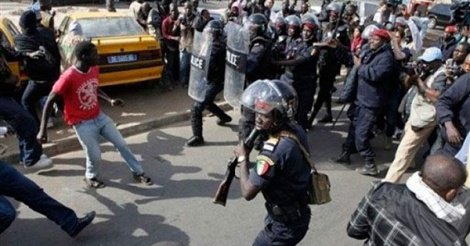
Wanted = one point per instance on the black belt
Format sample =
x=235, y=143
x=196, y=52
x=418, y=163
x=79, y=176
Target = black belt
x=286, y=213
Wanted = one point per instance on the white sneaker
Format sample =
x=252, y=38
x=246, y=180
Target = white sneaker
x=3, y=131
x=50, y=123
x=43, y=162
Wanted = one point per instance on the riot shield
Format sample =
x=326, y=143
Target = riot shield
x=200, y=58
x=238, y=42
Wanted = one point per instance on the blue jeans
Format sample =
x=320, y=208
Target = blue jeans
x=89, y=132
x=185, y=59
x=14, y=184
x=25, y=127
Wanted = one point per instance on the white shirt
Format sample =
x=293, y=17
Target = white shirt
x=134, y=8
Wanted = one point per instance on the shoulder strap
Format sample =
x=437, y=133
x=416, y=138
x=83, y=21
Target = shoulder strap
x=301, y=146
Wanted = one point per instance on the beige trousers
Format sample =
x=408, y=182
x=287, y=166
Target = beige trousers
x=406, y=152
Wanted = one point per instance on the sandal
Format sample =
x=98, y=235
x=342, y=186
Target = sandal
x=94, y=183
x=143, y=179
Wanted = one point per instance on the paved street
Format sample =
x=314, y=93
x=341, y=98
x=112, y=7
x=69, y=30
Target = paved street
x=177, y=210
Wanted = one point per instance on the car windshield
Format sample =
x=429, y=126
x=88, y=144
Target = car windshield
x=110, y=26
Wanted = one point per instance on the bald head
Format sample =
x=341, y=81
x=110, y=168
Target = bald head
x=443, y=173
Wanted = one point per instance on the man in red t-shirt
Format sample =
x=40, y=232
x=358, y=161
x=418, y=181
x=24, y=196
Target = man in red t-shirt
x=78, y=88
x=171, y=36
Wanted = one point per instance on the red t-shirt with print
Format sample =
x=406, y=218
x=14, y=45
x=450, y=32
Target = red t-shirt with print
x=79, y=92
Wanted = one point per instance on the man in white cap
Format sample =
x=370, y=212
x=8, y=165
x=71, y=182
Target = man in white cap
x=430, y=82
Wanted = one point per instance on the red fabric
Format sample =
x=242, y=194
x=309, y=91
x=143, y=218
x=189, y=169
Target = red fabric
x=450, y=29
x=356, y=44
x=310, y=26
x=167, y=28
x=79, y=92
x=382, y=33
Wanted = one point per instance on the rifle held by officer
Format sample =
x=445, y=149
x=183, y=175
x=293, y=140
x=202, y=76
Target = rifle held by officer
x=224, y=187
x=334, y=34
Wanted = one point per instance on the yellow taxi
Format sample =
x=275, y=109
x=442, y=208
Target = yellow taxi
x=8, y=31
x=127, y=53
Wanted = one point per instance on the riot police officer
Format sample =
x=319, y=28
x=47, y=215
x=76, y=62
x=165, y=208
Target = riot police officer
x=279, y=47
x=280, y=28
x=281, y=172
x=213, y=84
x=329, y=63
x=257, y=64
x=351, y=18
x=300, y=64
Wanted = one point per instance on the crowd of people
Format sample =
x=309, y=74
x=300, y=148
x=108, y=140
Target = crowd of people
x=396, y=84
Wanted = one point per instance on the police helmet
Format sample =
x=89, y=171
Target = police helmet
x=334, y=7
x=310, y=22
x=257, y=24
x=293, y=21
x=214, y=26
x=351, y=8
x=276, y=96
x=280, y=22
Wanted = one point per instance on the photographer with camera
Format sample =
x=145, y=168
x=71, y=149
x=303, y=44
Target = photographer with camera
x=453, y=70
x=430, y=81
x=453, y=111
x=453, y=66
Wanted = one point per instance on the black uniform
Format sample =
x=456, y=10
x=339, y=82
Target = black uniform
x=329, y=65
x=282, y=174
x=258, y=62
x=215, y=85
x=43, y=71
x=12, y=112
x=279, y=53
x=301, y=72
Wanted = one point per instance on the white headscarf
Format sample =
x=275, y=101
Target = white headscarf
x=75, y=28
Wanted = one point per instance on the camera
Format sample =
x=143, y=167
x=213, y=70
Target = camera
x=413, y=67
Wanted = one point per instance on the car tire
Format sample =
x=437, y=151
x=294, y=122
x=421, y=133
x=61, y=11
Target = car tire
x=432, y=23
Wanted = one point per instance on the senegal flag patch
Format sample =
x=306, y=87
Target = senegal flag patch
x=263, y=164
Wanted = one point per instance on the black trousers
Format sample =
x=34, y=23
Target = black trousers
x=279, y=233
x=208, y=103
x=32, y=94
x=305, y=99
x=359, y=131
x=326, y=82
x=172, y=67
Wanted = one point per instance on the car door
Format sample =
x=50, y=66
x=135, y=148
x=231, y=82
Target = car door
x=9, y=31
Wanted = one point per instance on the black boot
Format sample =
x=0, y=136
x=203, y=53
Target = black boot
x=223, y=120
x=326, y=119
x=344, y=158
x=311, y=118
x=369, y=169
x=82, y=223
x=195, y=141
